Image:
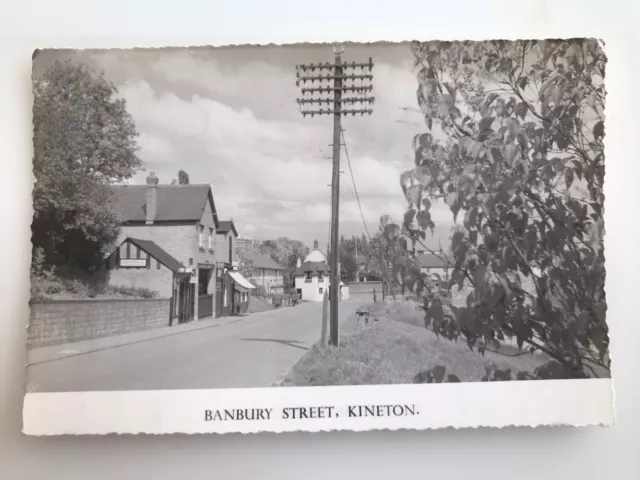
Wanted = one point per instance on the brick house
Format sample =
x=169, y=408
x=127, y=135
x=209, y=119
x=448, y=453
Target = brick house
x=167, y=244
x=232, y=288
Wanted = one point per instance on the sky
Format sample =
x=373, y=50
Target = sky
x=229, y=118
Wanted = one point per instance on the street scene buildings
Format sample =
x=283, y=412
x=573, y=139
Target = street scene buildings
x=192, y=229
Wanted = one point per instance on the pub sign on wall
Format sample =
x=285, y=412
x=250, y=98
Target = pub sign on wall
x=133, y=262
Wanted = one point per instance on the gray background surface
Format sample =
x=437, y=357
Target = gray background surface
x=510, y=453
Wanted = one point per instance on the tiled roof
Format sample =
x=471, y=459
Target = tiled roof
x=158, y=253
x=226, y=225
x=429, y=260
x=174, y=202
x=261, y=261
x=313, y=267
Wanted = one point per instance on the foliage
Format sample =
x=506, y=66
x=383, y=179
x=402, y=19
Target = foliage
x=46, y=284
x=549, y=371
x=138, y=292
x=435, y=374
x=43, y=278
x=399, y=267
x=84, y=139
x=183, y=177
x=354, y=255
x=286, y=252
x=260, y=291
x=515, y=147
x=247, y=267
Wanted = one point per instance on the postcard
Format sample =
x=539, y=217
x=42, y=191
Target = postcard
x=313, y=237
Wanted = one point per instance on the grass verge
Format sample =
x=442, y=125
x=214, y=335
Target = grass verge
x=393, y=352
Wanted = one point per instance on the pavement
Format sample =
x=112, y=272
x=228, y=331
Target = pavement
x=255, y=350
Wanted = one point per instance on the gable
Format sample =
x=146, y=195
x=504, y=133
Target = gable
x=209, y=209
x=209, y=216
x=138, y=260
x=226, y=226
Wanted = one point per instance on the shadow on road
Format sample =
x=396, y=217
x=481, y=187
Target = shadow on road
x=290, y=343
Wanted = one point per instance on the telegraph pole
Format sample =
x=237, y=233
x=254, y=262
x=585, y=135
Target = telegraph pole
x=343, y=88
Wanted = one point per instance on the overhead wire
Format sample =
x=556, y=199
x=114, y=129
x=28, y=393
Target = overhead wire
x=364, y=222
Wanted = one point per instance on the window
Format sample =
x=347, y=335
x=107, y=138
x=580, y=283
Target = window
x=230, y=249
x=211, y=239
x=307, y=277
x=320, y=291
x=201, y=236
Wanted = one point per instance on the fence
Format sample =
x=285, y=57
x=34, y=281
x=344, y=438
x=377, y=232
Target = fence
x=284, y=299
x=371, y=291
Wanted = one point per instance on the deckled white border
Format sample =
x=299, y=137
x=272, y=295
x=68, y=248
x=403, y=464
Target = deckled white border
x=458, y=405
x=531, y=403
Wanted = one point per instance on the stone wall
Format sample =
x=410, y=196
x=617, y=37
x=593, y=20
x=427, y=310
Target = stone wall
x=54, y=322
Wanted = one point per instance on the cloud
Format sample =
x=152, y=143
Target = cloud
x=237, y=127
x=155, y=149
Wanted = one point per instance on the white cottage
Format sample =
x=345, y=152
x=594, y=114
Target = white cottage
x=312, y=276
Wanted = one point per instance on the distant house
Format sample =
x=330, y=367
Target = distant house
x=436, y=265
x=267, y=272
x=166, y=244
x=312, y=276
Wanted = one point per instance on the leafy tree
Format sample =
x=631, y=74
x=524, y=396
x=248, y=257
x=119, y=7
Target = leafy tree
x=84, y=139
x=183, y=177
x=246, y=267
x=348, y=260
x=286, y=252
x=514, y=144
x=390, y=260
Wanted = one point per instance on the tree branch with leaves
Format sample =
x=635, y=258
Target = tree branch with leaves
x=514, y=143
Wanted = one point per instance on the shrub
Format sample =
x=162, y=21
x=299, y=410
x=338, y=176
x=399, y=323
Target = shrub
x=130, y=291
x=514, y=146
x=259, y=292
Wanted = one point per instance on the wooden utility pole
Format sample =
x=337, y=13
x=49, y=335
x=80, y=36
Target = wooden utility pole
x=337, y=94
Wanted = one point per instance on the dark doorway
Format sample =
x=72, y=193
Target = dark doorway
x=186, y=297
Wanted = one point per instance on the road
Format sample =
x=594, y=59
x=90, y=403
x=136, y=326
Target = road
x=250, y=351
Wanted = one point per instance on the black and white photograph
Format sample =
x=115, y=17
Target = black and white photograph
x=318, y=215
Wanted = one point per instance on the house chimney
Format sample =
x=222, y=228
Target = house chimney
x=152, y=197
x=315, y=244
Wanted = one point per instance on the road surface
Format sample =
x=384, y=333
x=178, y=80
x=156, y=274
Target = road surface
x=250, y=351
